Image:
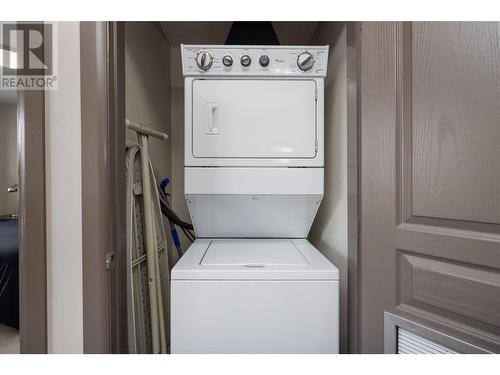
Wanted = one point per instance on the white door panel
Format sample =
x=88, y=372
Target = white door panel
x=254, y=119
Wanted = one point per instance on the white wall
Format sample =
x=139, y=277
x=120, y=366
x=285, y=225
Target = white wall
x=329, y=232
x=8, y=158
x=147, y=88
x=64, y=199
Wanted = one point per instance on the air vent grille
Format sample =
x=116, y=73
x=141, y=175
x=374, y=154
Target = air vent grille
x=410, y=343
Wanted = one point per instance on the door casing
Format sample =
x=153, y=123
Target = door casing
x=32, y=222
x=103, y=192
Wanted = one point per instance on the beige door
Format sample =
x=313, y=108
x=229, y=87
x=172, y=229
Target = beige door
x=430, y=179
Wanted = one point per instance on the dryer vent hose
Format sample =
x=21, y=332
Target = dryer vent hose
x=172, y=216
x=167, y=211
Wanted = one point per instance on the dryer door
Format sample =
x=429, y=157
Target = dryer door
x=254, y=119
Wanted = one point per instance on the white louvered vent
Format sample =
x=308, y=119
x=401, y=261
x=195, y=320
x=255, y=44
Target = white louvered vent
x=409, y=343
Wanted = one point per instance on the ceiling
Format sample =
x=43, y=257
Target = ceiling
x=289, y=33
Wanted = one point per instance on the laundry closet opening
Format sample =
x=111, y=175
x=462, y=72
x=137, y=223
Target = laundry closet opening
x=155, y=96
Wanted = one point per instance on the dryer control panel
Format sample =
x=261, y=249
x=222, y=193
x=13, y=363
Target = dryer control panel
x=278, y=61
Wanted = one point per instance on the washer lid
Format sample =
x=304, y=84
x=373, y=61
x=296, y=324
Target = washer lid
x=253, y=259
x=253, y=253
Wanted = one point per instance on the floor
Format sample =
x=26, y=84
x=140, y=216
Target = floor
x=9, y=340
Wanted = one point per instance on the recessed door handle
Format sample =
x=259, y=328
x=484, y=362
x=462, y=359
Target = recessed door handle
x=212, y=118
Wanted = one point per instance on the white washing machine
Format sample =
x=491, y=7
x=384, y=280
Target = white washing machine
x=251, y=282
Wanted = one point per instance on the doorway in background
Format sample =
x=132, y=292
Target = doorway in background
x=9, y=244
x=24, y=153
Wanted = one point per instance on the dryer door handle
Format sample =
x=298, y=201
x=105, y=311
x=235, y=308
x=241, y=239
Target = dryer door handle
x=212, y=118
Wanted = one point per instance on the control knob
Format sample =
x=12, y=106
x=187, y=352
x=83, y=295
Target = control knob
x=204, y=60
x=264, y=60
x=305, y=61
x=227, y=60
x=245, y=60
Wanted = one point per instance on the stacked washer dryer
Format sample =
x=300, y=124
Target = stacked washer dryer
x=254, y=152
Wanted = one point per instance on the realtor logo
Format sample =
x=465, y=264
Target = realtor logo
x=27, y=56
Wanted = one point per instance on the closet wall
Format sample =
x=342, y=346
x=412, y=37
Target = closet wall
x=147, y=88
x=329, y=233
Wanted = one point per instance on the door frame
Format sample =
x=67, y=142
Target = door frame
x=102, y=60
x=32, y=222
x=33, y=331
